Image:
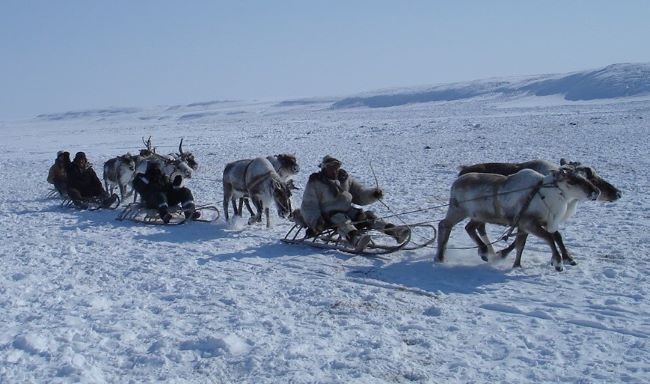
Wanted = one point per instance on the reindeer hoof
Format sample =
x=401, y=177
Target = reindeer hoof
x=569, y=260
x=484, y=257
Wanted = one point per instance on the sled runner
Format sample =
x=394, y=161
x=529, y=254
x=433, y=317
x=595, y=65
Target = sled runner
x=53, y=193
x=139, y=213
x=380, y=243
x=92, y=204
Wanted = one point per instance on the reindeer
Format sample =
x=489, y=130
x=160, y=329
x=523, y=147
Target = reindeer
x=119, y=171
x=186, y=157
x=235, y=174
x=608, y=193
x=258, y=180
x=533, y=203
x=171, y=166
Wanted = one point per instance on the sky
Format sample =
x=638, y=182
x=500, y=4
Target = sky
x=70, y=55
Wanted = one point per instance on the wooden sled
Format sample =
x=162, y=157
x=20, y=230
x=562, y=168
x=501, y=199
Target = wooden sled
x=380, y=243
x=139, y=213
x=93, y=204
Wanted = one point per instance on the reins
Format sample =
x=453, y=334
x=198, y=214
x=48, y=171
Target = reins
x=538, y=187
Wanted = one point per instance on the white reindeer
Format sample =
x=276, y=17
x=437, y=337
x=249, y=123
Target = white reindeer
x=534, y=203
x=258, y=180
x=119, y=171
x=608, y=193
x=236, y=173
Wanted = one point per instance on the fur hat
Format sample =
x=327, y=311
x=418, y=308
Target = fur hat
x=79, y=156
x=329, y=161
x=153, y=166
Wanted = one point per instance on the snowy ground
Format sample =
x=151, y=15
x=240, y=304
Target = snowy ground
x=85, y=298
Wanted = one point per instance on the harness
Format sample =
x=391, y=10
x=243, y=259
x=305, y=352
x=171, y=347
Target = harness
x=257, y=180
x=524, y=207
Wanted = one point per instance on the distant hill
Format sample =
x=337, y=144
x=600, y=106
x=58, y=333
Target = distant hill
x=613, y=81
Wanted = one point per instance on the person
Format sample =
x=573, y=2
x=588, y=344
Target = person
x=329, y=199
x=84, y=185
x=159, y=193
x=58, y=174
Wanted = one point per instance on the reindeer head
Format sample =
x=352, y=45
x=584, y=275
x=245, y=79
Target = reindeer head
x=128, y=160
x=187, y=157
x=574, y=185
x=149, y=150
x=282, y=198
x=608, y=192
x=288, y=162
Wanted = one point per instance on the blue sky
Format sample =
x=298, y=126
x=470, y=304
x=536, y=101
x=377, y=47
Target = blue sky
x=67, y=55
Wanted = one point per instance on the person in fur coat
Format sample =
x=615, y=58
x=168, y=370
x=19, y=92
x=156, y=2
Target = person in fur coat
x=159, y=193
x=329, y=201
x=84, y=185
x=58, y=174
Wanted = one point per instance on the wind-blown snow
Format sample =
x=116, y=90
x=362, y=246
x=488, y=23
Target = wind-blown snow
x=85, y=298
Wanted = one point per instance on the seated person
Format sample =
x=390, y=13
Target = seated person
x=327, y=201
x=158, y=193
x=58, y=174
x=84, y=185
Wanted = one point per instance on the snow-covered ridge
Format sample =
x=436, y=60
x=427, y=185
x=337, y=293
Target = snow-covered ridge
x=613, y=81
x=95, y=113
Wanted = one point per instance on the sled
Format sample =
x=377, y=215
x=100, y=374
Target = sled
x=53, y=193
x=141, y=214
x=94, y=204
x=380, y=243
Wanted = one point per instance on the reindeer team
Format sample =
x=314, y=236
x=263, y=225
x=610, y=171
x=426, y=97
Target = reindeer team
x=534, y=197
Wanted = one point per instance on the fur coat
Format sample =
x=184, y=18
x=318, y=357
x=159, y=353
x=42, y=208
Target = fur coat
x=325, y=197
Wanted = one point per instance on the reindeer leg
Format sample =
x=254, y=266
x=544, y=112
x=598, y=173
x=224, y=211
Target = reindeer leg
x=444, y=230
x=537, y=230
x=506, y=251
x=240, y=208
x=483, y=250
x=268, y=217
x=520, y=242
x=248, y=206
x=485, y=239
x=122, y=191
x=566, y=256
x=259, y=206
x=227, y=196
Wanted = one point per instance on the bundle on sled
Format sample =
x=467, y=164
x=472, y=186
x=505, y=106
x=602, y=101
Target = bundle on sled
x=368, y=239
x=138, y=212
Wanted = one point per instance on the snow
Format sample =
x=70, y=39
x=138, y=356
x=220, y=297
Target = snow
x=86, y=298
x=613, y=81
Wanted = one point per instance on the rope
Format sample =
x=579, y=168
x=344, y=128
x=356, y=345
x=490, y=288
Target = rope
x=468, y=200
